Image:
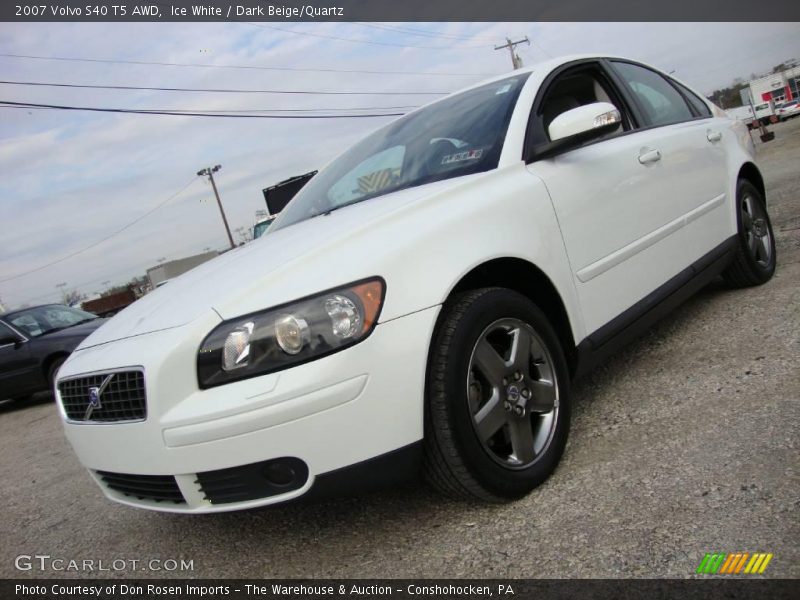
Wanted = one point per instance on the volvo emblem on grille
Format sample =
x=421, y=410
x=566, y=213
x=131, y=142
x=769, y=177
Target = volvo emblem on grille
x=94, y=397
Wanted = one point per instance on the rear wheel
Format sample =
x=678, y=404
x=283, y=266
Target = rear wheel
x=754, y=261
x=497, y=413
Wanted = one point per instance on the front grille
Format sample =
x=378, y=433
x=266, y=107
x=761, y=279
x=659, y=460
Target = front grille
x=121, y=397
x=159, y=488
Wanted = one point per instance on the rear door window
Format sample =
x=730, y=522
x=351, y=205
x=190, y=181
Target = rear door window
x=700, y=107
x=661, y=103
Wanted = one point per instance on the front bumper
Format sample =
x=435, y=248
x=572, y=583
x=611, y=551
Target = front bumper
x=341, y=410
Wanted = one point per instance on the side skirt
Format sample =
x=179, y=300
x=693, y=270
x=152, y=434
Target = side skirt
x=631, y=324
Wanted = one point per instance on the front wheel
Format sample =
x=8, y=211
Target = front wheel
x=497, y=405
x=755, y=257
x=52, y=372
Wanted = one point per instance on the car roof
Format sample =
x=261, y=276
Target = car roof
x=542, y=66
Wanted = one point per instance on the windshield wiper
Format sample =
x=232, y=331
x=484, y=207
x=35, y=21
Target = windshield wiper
x=54, y=329
x=334, y=208
x=82, y=321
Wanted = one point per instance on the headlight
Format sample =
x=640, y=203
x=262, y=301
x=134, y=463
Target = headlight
x=289, y=335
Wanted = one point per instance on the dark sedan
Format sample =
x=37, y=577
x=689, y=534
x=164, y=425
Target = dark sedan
x=34, y=342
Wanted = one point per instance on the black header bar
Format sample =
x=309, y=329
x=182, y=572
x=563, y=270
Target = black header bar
x=400, y=10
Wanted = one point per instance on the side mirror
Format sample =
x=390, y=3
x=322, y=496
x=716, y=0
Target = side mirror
x=574, y=127
x=591, y=119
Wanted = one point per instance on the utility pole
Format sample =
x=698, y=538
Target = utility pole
x=516, y=61
x=209, y=171
x=61, y=286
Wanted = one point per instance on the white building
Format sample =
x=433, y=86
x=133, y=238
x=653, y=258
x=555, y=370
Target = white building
x=778, y=87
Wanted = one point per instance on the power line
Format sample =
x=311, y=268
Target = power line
x=105, y=239
x=216, y=90
x=117, y=277
x=248, y=67
x=357, y=41
x=535, y=43
x=422, y=32
x=175, y=113
x=23, y=106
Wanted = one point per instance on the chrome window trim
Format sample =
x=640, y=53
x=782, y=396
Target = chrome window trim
x=24, y=337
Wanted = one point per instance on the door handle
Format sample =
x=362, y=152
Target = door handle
x=648, y=155
x=713, y=136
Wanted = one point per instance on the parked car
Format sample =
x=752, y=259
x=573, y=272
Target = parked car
x=766, y=113
x=744, y=114
x=426, y=299
x=35, y=342
x=787, y=110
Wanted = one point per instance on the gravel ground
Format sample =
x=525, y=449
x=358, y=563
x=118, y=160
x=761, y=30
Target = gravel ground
x=685, y=443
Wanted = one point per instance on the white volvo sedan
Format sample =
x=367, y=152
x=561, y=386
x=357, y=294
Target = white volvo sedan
x=425, y=301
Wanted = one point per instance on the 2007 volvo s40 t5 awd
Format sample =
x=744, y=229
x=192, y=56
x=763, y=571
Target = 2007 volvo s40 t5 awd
x=424, y=302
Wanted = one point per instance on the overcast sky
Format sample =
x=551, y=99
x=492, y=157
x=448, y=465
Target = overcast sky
x=70, y=179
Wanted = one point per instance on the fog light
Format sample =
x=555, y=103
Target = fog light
x=291, y=333
x=345, y=317
x=279, y=473
x=236, y=352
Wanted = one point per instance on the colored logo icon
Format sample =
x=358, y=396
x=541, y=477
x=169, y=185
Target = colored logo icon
x=737, y=563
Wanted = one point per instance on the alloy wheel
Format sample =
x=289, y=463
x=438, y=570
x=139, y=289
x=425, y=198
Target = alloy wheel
x=512, y=393
x=756, y=230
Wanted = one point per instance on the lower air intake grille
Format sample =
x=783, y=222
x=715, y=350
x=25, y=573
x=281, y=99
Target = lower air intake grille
x=159, y=488
x=253, y=481
x=106, y=397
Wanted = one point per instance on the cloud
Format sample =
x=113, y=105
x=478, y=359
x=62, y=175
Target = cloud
x=72, y=178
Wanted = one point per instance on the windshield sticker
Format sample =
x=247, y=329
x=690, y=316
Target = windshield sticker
x=503, y=89
x=462, y=156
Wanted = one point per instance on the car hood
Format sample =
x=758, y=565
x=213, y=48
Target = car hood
x=281, y=266
x=77, y=331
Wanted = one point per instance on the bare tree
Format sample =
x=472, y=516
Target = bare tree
x=72, y=297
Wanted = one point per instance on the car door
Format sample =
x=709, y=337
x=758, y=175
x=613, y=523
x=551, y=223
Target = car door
x=17, y=366
x=618, y=200
x=692, y=147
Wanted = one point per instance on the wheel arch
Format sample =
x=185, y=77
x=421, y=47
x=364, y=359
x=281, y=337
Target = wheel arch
x=529, y=280
x=750, y=172
x=48, y=362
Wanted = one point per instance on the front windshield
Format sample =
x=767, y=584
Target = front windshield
x=44, y=319
x=458, y=136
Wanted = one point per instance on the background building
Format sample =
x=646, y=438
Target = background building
x=778, y=87
x=173, y=268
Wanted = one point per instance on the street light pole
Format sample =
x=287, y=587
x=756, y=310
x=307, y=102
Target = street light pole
x=209, y=171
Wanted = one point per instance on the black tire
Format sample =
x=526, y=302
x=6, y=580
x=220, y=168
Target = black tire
x=52, y=371
x=457, y=463
x=750, y=265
